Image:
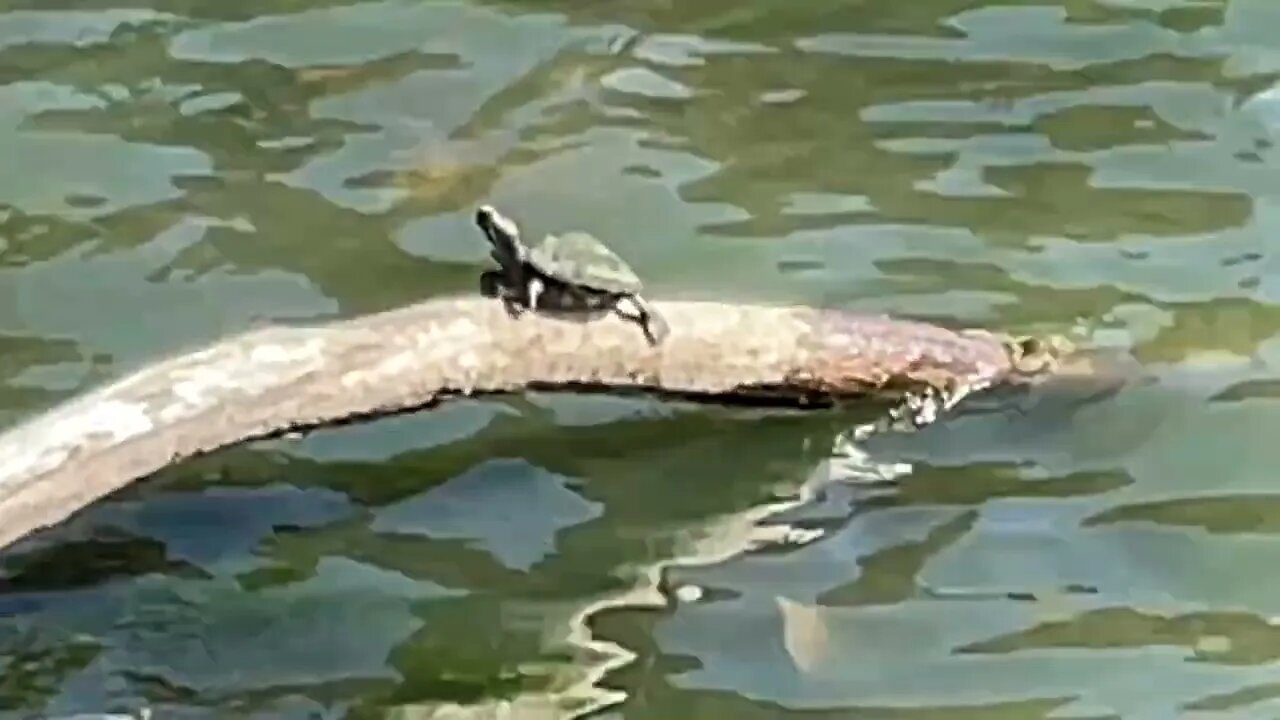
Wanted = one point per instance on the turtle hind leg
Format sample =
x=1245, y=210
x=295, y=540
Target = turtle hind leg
x=637, y=309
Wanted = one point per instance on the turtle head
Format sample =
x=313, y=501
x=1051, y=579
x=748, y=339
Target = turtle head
x=502, y=233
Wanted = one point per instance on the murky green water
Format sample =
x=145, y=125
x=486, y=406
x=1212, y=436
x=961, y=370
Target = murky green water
x=175, y=171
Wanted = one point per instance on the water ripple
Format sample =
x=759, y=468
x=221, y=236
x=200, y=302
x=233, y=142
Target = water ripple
x=182, y=170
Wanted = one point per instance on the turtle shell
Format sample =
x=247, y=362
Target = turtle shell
x=578, y=258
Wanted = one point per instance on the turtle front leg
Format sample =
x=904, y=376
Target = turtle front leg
x=636, y=308
x=533, y=292
x=493, y=284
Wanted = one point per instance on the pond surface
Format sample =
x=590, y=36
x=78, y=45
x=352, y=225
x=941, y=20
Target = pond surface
x=176, y=171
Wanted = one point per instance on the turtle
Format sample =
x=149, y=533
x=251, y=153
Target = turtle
x=574, y=272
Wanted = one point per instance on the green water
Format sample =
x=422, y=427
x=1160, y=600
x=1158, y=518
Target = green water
x=176, y=171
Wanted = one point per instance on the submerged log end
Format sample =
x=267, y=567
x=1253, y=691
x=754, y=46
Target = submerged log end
x=855, y=354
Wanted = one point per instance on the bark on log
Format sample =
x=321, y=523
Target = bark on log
x=277, y=379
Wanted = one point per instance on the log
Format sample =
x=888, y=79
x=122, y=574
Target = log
x=279, y=379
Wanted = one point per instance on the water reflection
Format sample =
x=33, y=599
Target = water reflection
x=187, y=170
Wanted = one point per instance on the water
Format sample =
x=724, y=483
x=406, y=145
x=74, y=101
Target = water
x=178, y=171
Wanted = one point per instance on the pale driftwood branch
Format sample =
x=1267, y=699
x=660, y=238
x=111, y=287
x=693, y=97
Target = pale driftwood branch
x=277, y=379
